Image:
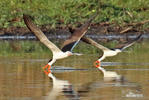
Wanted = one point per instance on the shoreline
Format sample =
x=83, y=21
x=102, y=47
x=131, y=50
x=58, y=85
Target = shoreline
x=94, y=29
x=99, y=32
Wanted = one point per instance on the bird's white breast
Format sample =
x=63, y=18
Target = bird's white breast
x=109, y=53
x=60, y=55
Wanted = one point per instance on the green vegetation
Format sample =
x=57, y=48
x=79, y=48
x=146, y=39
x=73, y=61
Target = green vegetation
x=64, y=12
x=36, y=49
x=23, y=48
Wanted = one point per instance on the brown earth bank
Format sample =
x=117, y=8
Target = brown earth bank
x=95, y=29
x=102, y=28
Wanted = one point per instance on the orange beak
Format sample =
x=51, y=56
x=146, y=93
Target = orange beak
x=97, y=63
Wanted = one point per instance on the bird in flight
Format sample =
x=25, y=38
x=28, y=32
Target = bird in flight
x=68, y=44
x=109, y=52
x=110, y=75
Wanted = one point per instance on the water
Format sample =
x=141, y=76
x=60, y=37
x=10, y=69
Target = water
x=51, y=36
x=75, y=78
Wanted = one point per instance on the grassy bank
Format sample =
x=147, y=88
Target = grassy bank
x=64, y=12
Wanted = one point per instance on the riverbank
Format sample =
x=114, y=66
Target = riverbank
x=29, y=45
x=125, y=16
x=100, y=28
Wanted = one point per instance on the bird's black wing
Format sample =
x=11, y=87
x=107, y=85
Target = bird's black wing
x=128, y=44
x=75, y=37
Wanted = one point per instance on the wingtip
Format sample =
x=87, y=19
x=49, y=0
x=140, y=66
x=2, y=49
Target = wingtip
x=25, y=16
x=71, y=29
x=139, y=37
x=29, y=23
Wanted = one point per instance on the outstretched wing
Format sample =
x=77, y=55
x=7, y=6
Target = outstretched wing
x=73, y=40
x=129, y=43
x=40, y=35
x=92, y=42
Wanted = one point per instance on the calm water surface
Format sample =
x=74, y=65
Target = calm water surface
x=75, y=78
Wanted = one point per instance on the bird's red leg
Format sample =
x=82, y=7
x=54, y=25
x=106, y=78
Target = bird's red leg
x=97, y=63
x=47, y=71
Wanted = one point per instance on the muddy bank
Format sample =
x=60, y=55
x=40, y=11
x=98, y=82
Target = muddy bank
x=102, y=29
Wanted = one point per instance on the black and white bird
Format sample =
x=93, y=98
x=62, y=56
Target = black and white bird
x=68, y=44
x=109, y=75
x=110, y=52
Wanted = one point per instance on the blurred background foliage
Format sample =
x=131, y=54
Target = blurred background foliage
x=64, y=12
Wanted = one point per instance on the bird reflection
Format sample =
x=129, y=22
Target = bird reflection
x=61, y=87
x=111, y=75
